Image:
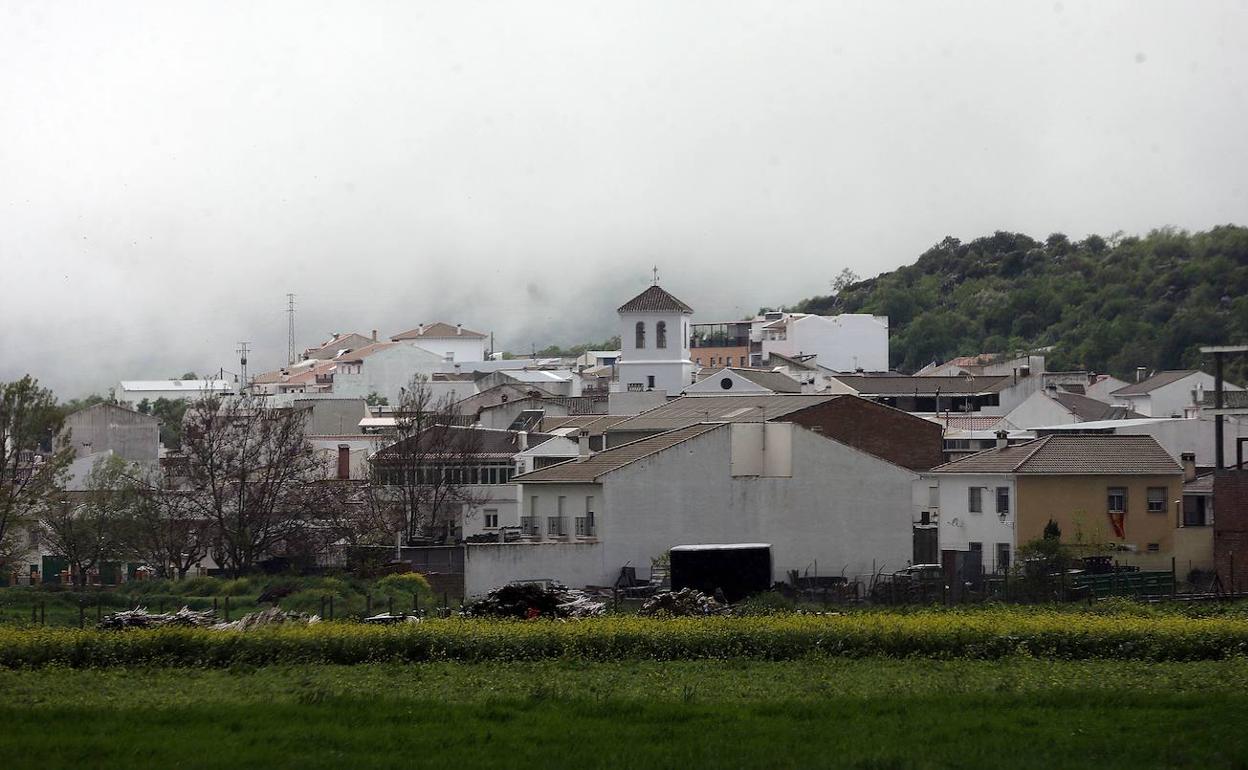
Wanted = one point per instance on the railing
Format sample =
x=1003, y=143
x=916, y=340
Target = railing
x=585, y=526
x=529, y=526
x=554, y=526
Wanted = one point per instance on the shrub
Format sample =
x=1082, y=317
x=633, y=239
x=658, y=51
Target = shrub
x=946, y=634
x=401, y=587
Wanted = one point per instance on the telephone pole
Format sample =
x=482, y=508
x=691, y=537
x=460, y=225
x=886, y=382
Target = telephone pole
x=290, y=329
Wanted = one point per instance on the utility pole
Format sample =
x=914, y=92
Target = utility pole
x=242, y=362
x=290, y=329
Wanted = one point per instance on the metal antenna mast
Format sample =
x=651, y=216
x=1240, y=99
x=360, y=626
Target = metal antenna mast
x=242, y=362
x=290, y=328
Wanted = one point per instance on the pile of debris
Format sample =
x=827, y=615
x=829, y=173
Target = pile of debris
x=386, y=619
x=273, y=616
x=139, y=617
x=685, y=602
x=533, y=600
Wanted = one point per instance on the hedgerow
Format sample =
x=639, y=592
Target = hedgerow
x=777, y=637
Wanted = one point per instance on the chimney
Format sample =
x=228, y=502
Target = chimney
x=344, y=461
x=459, y=328
x=374, y=335
x=1003, y=439
x=582, y=443
x=1139, y=373
x=1188, y=460
x=522, y=440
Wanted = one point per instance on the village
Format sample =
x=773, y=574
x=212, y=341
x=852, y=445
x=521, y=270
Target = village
x=785, y=436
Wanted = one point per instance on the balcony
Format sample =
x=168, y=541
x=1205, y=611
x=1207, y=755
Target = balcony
x=585, y=526
x=529, y=526
x=555, y=526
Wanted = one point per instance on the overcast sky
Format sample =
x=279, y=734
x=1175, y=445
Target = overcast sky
x=169, y=171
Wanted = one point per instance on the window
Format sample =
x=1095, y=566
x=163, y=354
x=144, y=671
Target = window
x=1156, y=499
x=491, y=518
x=730, y=360
x=533, y=505
x=1117, y=500
x=660, y=334
x=1003, y=557
x=975, y=547
x=650, y=382
x=639, y=341
x=698, y=360
x=449, y=357
x=1003, y=500
x=933, y=496
x=1154, y=547
x=554, y=525
x=975, y=500
x=1194, y=511
x=589, y=505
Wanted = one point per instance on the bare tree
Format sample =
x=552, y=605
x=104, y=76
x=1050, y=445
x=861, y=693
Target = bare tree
x=86, y=527
x=425, y=480
x=253, y=475
x=30, y=478
x=165, y=529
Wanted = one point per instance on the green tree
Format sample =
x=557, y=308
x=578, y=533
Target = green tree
x=87, y=527
x=33, y=466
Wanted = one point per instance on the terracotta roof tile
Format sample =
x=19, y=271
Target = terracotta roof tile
x=654, y=300
x=1072, y=454
x=590, y=469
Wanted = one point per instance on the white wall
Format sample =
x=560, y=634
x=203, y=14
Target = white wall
x=840, y=511
x=1039, y=409
x=671, y=366
x=461, y=349
x=842, y=343
x=959, y=527
x=503, y=498
x=712, y=385
x=388, y=370
x=489, y=565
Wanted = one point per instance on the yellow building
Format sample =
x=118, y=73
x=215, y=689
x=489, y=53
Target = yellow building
x=1119, y=495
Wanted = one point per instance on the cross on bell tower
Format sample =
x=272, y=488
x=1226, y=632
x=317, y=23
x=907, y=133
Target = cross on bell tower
x=654, y=271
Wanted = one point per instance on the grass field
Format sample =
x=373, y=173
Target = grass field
x=870, y=713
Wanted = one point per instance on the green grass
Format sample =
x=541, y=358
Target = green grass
x=872, y=713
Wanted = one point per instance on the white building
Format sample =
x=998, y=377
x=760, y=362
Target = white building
x=134, y=391
x=386, y=368
x=654, y=334
x=733, y=381
x=826, y=508
x=843, y=343
x=1168, y=394
x=454, y=344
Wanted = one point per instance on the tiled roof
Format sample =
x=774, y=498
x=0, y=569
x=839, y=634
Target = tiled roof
x=1153, y=383
x=1231, y=399
x=1089, y=409
x=596, y=424
x=958, y=421
x=337, y=343
x=776, y=381
x=690, y=410
x=359, y=354
x=1071, y=454
x=486, y=443
x=654, y=300
x=902, y=385
x=436, y=330
x=590, y=469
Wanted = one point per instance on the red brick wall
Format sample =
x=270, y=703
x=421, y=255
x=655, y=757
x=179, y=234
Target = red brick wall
x=1230, y=528
x=891, y=434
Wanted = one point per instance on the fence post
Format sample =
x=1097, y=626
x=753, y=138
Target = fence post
x=415, y=603
x=368, y=604
x=82, y=613
x=43, y=612
x=227, y=609
x=331, y=606
x=214, y=606
x=390, y=606
x=99, y=607
x=34, y=613
x=1174, y=579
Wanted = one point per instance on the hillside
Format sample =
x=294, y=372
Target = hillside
x=1106, y=305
